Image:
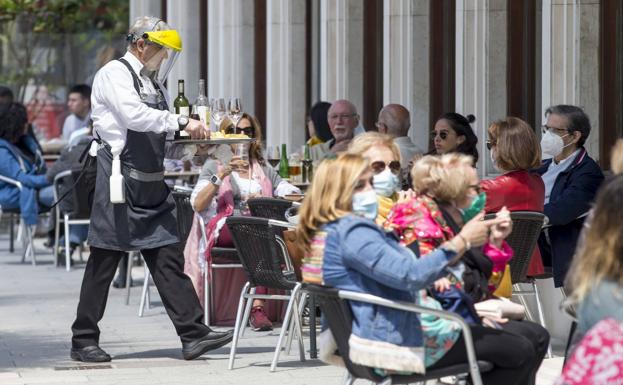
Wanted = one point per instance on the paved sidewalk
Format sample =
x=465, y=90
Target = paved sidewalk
x=38, y=304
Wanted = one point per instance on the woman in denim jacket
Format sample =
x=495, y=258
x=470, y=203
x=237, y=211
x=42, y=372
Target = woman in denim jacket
x=347, y=250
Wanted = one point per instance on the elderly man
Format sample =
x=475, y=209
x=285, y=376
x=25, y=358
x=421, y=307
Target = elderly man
x=132, y=206
x=571, y=180
x=343, y=118
x=395, y=120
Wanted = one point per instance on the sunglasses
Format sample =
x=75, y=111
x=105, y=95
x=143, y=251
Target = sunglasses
x=379, y=166
x=476, y=187
x=490, y=144
x=248, y=131
x=443, y=134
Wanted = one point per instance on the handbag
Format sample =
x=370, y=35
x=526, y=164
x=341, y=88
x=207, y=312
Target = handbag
x=457, y=301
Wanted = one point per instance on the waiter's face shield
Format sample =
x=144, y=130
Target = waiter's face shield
x=162, y=48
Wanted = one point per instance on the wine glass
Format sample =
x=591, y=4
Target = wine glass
x=218, y=112
x=234, y=111
x=273, y=155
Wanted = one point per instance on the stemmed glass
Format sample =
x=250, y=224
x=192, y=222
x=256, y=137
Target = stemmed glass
x=218, y=112
x=234, y=111
x=273, y=156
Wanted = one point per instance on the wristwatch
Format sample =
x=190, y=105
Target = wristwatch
x=182, y=121
x=215, y=180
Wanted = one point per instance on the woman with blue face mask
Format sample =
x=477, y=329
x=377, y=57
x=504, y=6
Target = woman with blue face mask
x=345, y=249
x=384, y=158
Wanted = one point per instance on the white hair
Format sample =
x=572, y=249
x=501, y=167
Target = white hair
x=145, y=24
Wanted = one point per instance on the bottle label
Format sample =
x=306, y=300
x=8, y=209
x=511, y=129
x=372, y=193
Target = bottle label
x=184, y=111
x=204, y=114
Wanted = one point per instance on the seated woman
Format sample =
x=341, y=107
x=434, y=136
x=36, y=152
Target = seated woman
x=596, y=274
x=21, y=160
x=384, y=158
x=515, y=150
x=222, y=190
x=453, y=133
x=318, y=124
x=449, y=196
x=352, y=253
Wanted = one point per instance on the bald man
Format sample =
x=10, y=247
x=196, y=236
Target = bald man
x=395, y=120
x=343, y=118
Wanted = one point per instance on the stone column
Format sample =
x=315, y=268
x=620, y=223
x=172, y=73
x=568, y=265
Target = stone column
x=406, y=30
x=140, y=8
x=570, y=51
x=184, y=17
x=341, y=51
x=285, y=73
x=481, y=67
x=231, y=51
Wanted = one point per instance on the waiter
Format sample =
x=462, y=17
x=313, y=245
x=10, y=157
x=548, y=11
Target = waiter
x=131, y=117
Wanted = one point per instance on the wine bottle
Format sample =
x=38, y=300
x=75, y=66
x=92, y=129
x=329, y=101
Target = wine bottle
x=308, y=167
x=181, y=104
x=284, y=167
x=202, y=103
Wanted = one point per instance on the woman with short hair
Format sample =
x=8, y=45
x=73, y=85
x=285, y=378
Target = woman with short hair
x=515, y=151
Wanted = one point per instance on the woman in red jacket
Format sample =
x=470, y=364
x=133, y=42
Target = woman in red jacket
x=515, y=150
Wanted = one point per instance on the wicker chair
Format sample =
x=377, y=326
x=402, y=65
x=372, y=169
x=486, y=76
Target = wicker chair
x=339, y=317
x=265, y=260
x=271, y=208
x=523, y=239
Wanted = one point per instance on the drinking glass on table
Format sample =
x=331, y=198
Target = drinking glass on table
x=295, y=168
x=273, y=156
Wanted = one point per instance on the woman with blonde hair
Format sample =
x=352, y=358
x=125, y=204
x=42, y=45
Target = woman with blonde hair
x=384, y=158
x=596, y=273
x=345, y=249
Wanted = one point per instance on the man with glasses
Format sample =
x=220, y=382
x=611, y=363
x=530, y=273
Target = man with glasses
x=571, y=181
x=343, y=118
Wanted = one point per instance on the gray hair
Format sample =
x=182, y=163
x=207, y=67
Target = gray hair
x=144, y=24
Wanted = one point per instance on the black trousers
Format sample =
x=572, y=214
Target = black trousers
x=516, y=352
x=166, y=265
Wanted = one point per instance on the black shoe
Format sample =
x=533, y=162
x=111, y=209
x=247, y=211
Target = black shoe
x=61, y=259
x=120, y=283
x=211, y=341
x=89, y=354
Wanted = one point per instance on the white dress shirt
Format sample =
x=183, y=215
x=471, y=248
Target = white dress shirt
x=117, y=107
x=74, y=123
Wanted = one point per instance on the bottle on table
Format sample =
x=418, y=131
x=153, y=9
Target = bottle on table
x=308, y=167
x=284, y=168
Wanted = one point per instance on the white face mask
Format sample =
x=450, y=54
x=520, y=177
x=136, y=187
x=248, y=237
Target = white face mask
x=365, y=204
x=552, y=144
x=386, y=183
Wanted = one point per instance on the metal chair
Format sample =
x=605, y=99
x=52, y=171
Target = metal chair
x=338, y=314
x=523, y=239
x=185, y=215
x=271, y=208
x=222, y=258
x=263, y=256
x=76, y=211
x=25, y=233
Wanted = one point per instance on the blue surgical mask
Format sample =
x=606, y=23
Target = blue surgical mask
x=365, y=204
x=386, y=183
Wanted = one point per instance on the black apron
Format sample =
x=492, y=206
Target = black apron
x=147, y=219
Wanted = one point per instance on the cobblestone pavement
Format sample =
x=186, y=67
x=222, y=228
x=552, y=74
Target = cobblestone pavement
x=37, y=306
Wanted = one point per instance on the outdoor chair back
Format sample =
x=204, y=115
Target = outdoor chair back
x=262, y=253
x=338, y=314
x=271, y=208
x=526, y=230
